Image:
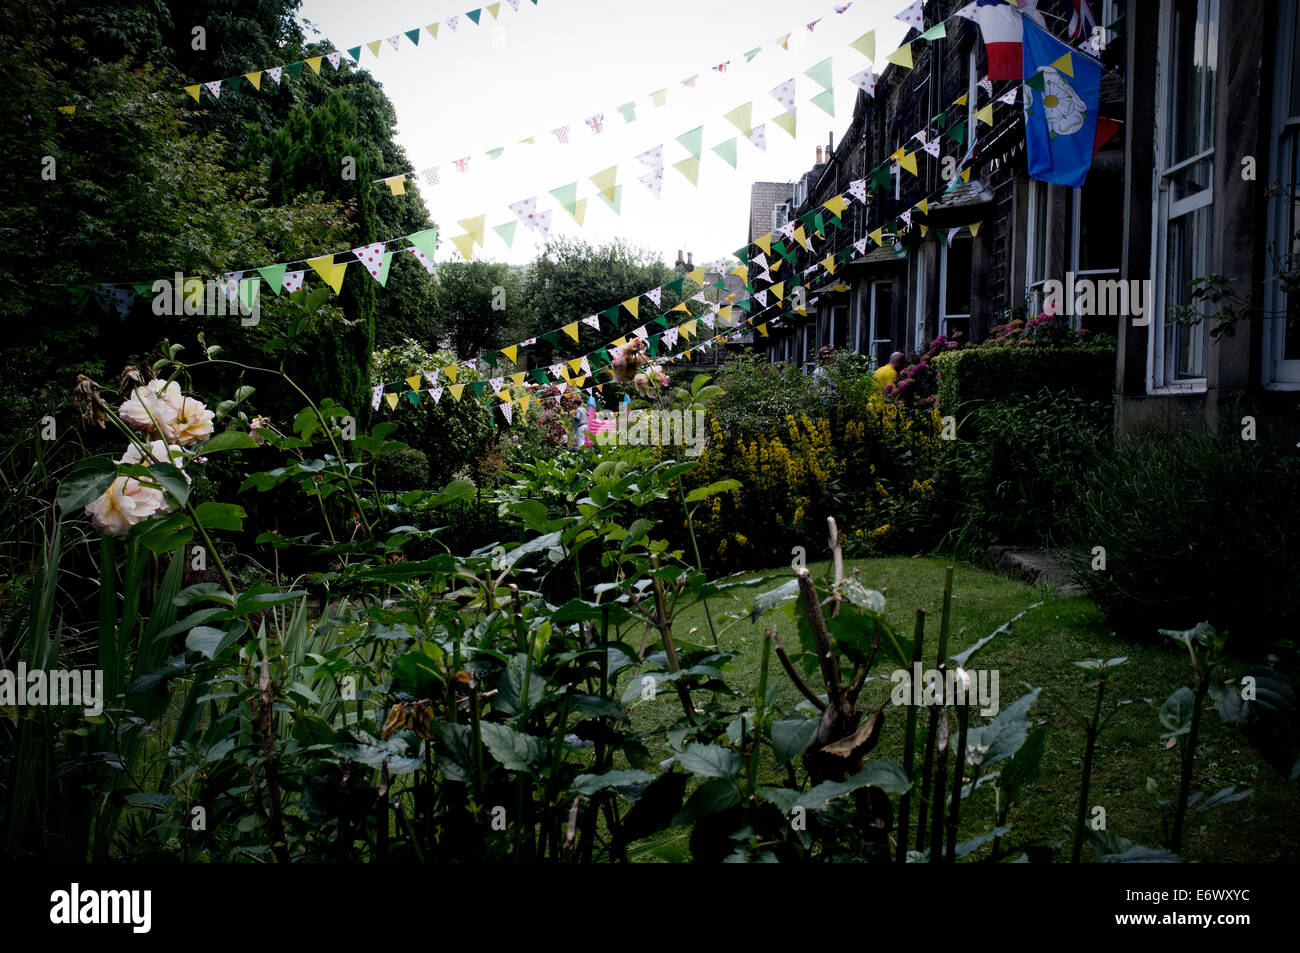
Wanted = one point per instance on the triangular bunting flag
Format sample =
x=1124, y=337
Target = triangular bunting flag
x=758, y=137
x=476, y=227
x=464, y=244
x=571, y=330
x=901, y=56
x=787, y=122
x=506, y=232
x=330, y=272
x=820, y=73
x=783, y=93
x=741, y=117
x=727, y=151
x=689, y=167
x=866, y=45
x=605, y=182
x=693, y=141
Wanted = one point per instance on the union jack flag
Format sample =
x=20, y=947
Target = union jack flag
x=462, y=165
x=722, y=67
x=596, y=123
x=1082, y=21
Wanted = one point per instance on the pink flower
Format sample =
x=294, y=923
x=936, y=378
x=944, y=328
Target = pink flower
x=125, y=503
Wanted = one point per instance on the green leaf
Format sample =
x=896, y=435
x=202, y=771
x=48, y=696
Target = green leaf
x=710, y=761
x=514, y=749
x=210, y=642
x=790, y=737
x=455, y=490
x=534, y=545
x=220, y=516
x=1226, y=796
x=85, y=482
x=628, y=784
x=767, y=601
x=859, y=595
x=710, y=797
x=1176, y=712
x=885, y=775
x=166, y=535
x=1023, y=766
x=229, y=440
x=713, y=489
x=171, y=480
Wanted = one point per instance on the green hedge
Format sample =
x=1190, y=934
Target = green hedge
x=1009, y=373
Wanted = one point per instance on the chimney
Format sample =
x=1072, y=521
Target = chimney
x=689, y=263
x=679, y=256
x=819, y=155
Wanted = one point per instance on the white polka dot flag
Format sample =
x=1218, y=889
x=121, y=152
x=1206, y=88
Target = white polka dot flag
x=758, y=136
x=544, y=223
x=592, y=321
x=914, y=15
x=707, y=317
x=436, y=393
x=932, y=147
x=812, y=26
x=562, y=134
x=423, y=259
x=656, y=296
x=376, y=395
x=395, y=40
x=372, y=257
x=787, y=230
x=641, y=333
x=274, y=73
x=431, y=175
x=431, y=377
x=783, y=93
x=214, y=88
x=526, y=209
x=858, y=189
x=654, y=159
x=332, y=57
x=1009, y=97
x=557, y=371
x=865, y=81
x=508, y=412
x=691, y=80
x=514, y=5
x=968, y=12
x=986, y=84
x=860, y=246
x=452, y=22
x=293, y=281
x=497, y=383
x=670, y=337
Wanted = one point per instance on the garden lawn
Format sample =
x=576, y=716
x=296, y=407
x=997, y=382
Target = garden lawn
x=1135, y=773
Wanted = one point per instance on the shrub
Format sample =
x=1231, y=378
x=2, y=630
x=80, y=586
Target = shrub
x=405, y=469
x=1008, y=373
x=760, y=395
x=1014, y=477
x=1194, y=526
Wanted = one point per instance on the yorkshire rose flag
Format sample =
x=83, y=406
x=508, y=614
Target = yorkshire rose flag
x=1061, y=114
x=1001, y=26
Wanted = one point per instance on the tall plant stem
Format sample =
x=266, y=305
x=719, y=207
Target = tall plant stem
x=1189, y=754
x=909, y=742
x=666, y=630
x=1090, y=746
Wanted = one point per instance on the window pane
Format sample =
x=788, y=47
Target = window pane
x=1191, y=81
x=1295, y=65
x=957, y=292
x=841, y=332
x=1038, y=234
x=1101, y=237
x=883, y=318
x=1291, y=332
x=1185, y=345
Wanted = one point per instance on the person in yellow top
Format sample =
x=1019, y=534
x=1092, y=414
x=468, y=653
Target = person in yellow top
x=888, y=373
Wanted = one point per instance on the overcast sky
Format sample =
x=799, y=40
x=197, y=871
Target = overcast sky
x=481, y=87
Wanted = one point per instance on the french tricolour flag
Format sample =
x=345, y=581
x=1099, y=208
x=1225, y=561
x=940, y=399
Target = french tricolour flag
x=1000, y=24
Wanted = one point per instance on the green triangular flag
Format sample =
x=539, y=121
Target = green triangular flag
x=474, y=15
x=617, y=203
x=610, y=314
x=825, y=101
x=693, y=141
x=496, y=153
x=821, y=73
x=837, y=221
x=426, y=241
x=676, y=284
x=958, y=133
x=489, y=358
x=602, y=355
x=818, y=224
x=550, y=338
x=743, y=304
x=936, y=32
x=653, y=345
x=414, y=35
x=940, y=120
x=720, y=284
x=274, y=275
x=477, y=386
x=728, y=151
x=507, y=232
x=294, y=69
x=661, y=321
x=539, y=375
x=355, y=53
x=567, y=196
x=880, y=177
x=629, y=112
x=232, y=83
x=382, y=277
x=1037, y=82
x=414, y=397
x=749, y=56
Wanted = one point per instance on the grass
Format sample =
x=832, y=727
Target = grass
x=1038, y=651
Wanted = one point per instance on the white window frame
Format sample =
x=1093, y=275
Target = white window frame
x=1280, y=374
x=944, y=316
x=916, y=280
x=1165, y=211
x=1040, y=193
x=1076, y=239
x=874, y=302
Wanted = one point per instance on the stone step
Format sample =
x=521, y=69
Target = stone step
x=1035, y=567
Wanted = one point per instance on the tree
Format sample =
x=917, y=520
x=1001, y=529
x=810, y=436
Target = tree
x=478, y=307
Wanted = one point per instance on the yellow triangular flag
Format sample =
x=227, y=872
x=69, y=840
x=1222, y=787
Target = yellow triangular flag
x=908, y=162
x=373, y=46
x=785, y=42
x=689, y=167
x=924, y=206
x=256, y=78
x=985, y=115
x=518, y=378
x=925, y=230
x=688, y=329
x=763, y=329
x=802, y=238
x=574, y=365
x=786, y=122
x=725, y=313
x=898, y=153
x=451, y=370
x=878, y=236
x=192, y=90
x=679, y=306
x=836, y=205
x=413, y=382
x=742, y=117
x=314, y=63
x=494, y=9
x=392, y=401
x=965, y=175
x=829, y=264
x=572, y=330
x=455, y=390
x=433, y=30
x=961, y=100
x=620, y=342
x=579, y=211
x=777, y=290
x=604, y=180
x=475, y=227
x=901, y=56
x=578, y=381
x=396, y=184
x=529, y=141
x=1065, y=64
x=776, y=265
x=866, y=45
x=974, y=229
x=330, y=272
x=741, y=272
x=660, y=97
x=464, y=244
x=523, y=403
x=503, y=394
x=765, y=243
x=632, y=305
x=697, y=276
x=511, y=352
